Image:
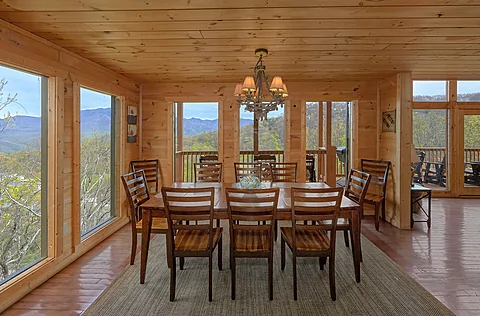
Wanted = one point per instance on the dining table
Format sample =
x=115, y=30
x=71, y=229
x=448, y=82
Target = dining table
x=154, y=207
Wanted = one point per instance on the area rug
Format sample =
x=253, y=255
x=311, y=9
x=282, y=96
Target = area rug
x=384, y=288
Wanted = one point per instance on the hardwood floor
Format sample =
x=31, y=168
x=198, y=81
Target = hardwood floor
x=445, y=260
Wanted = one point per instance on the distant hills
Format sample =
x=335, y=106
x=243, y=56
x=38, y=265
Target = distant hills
x=23, y=130
x=194, y=126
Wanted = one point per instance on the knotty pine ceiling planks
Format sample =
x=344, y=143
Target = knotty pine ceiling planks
x=214, y=40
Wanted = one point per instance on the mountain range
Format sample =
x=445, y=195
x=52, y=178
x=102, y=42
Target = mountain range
x=23, y=130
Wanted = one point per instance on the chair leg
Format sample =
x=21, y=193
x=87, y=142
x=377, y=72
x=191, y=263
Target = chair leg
x=210, y=264
x=182, y=262
x=220, y=254
x=134, y=246
x=383, y=211
x=322, y=261
x=331, y=271
x=345, y=237
x=282, y=253
x=218, y=222
x=377, y=216
x=270, y=275
x=275, y=229
x=173, y=276
x=294, y=277
x=232, y=269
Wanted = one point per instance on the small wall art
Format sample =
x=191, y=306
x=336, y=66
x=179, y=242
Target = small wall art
x=132, y=124
x=389, y=121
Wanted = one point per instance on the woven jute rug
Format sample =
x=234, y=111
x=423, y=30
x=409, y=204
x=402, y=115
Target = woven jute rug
x=384, y=288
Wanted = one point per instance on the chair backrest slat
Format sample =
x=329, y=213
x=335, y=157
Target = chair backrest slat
x=151, y=170
x=208, y=171
x=284, y=171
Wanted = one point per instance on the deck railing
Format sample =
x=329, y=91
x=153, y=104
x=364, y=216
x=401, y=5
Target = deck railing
x=436, y=154
x=186, y=159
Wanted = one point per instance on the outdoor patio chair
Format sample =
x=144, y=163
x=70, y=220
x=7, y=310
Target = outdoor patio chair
x=208, y=158
x=319, y=206
x=191, y=240
x=435, y=172
x=246, y=239
x=310, y=166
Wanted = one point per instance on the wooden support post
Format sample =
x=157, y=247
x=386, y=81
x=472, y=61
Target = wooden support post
x=403, y=145
x=331, y=150
x=178, y=150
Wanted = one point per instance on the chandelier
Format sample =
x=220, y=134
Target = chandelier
x=256, y=94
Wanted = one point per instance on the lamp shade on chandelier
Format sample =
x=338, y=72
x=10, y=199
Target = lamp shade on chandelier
x=256, y=94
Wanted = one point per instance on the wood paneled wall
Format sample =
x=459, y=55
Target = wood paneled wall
x=395, y=93
x=66, y=72
x=157, y=128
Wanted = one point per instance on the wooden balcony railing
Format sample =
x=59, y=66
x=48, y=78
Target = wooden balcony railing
x=184, y=161
x=436, y=154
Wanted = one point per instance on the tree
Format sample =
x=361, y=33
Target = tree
x=4, y=102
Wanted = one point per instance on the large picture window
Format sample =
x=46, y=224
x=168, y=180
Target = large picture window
x=23, y=171
x=97, y=159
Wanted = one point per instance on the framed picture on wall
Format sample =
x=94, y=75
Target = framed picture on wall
x=132, y=124
x=389, y=121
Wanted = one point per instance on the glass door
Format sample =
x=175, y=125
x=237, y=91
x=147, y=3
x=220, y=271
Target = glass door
x=470, y=152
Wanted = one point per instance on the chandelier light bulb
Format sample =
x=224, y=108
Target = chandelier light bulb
x=238, y=90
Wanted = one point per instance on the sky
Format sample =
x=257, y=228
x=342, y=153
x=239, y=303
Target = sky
x=27, y=88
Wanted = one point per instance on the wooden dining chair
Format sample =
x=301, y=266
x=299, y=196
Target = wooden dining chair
x=284, y=171
x=208, y=171
x=194, y=205
x=355, y=189
x=377, y=191
x=321, y=207
x=136, y=189
x=150, y=168
x=247, y=240
x=265, y=160
x=243, y=169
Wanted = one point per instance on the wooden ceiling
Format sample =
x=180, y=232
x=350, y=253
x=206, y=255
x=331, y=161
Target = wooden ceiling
x=215, y=40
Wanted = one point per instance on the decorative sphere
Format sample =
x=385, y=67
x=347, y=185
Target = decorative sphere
x=250, y=182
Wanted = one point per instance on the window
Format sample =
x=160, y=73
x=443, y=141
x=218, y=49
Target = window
x=429, y=91
x=196, y=136
x=97, y=159
x=271, y=132
x=312, y=125
x=468, y=91
x=200, y=126
x=23, y=171
x=430, y=139
x=246, y=130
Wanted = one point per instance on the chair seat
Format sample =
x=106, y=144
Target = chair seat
x=159, y=225
x=196, y=240
x=307, y=240
x=373, y=198
x=251, y=240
